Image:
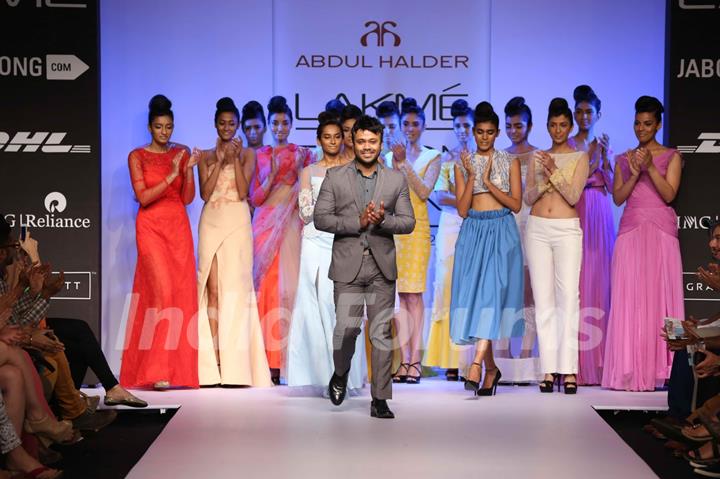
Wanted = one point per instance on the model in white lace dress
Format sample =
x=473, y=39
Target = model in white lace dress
x=310, y=346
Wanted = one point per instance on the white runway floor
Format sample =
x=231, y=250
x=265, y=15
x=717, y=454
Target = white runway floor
x=440, y=431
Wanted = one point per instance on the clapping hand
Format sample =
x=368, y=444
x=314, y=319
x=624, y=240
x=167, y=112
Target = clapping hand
x=486, y=173
x=643, y=158
x=365, y=216
x=235, y=150
x=53, y=285
x=604, y=143
x=194, y=158
x=547, y=162
x=710, y=276
x=274, y=164
x=466, y=160
x=221, y=152
x=176, y=163
x=376, y=216
x=633, y=163
x=399, y=154
x=37, y=276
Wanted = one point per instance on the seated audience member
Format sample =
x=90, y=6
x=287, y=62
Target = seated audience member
x=698, y=432
x=81, y=348
x=27, y=314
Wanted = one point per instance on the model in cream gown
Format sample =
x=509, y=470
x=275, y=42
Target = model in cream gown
x=225, y=233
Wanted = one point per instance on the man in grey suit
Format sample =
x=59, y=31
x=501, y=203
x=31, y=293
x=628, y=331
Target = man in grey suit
x=364, y=204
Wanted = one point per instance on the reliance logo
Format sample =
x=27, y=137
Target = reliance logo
x=55, y=202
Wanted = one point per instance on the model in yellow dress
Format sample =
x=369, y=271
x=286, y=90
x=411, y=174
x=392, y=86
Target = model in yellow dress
x=421, y=167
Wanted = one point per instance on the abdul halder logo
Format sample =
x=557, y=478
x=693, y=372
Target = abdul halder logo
x=380, y=30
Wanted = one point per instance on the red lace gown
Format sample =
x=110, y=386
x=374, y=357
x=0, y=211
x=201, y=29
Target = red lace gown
x=161, y=336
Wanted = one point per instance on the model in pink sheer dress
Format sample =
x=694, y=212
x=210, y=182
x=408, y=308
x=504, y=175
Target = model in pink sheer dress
x=276, y=232
x=596, y=221
x=646, y=267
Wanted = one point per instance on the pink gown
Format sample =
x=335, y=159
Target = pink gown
x=646, y=286
x=596, y=221
x=276, y=244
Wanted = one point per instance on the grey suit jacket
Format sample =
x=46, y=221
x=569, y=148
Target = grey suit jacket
x=338, y=209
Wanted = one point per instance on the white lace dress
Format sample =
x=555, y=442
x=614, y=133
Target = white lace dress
x=310, y=345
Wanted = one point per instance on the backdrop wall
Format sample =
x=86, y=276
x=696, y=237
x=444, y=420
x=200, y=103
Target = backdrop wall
x=195, y=53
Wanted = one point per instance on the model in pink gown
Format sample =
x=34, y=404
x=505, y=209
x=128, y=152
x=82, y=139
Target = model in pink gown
x=646, y=285
x=596, y=221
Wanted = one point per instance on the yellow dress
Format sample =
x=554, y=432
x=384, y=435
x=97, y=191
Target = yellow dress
x=413, y=250
x=441, y=352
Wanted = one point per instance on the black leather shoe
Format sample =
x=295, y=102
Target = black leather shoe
x=337, y=388
x=380, y=409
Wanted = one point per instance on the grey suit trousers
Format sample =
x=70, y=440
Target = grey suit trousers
x=373, y=289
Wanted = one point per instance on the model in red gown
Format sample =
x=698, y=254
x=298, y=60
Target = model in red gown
x=161, y=336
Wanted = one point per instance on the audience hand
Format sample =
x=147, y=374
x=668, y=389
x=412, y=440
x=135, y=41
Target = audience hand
x=36, y=277
x=53, y=285
x=45, y=340
x=710, y=276
x=30, y=246
x=710, y=366
x=675, y=344
x=13, y=335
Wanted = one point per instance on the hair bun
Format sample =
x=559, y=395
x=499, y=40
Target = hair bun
x=252, y=109
x=159, y=103
x=583, y=93
x=335, y=106
x=386, y=108
x=558, y=104
x=514, y=105
x=484, y=110
x=459, y=108
x=226, y=104
x=408, y=104
x=327, y=116
x=649, y=104
x=277, y=104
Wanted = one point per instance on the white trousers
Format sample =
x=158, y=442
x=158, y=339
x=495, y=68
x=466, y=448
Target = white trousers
x=554, y=257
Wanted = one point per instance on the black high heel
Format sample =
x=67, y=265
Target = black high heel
x=401, y=378
x=570, y=387
x=414, y=379
x=549, y=386
x=492, y=389
x=471, y=385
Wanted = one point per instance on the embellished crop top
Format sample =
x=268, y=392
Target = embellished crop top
x=499, y=174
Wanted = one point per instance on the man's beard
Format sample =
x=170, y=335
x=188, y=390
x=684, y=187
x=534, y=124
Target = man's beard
x=367, y=162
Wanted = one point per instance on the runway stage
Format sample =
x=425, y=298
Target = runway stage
x=440, y=430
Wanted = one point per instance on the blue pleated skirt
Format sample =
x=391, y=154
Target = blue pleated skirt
x=487, y=282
